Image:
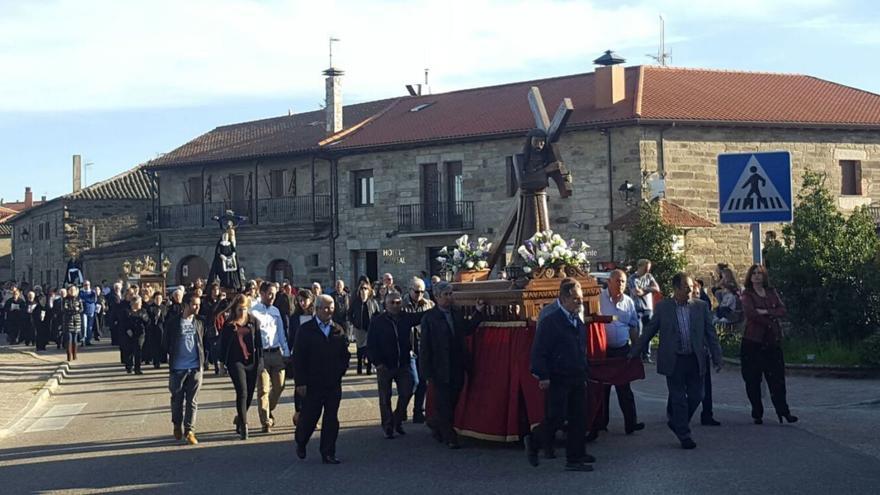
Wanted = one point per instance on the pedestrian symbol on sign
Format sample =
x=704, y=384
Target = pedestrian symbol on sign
x=754, y=193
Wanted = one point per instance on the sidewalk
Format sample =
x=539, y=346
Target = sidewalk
x=28, y=378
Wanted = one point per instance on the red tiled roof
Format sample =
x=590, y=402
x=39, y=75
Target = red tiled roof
x=653, y=94
x=494, y=110
x=268, y=137
x=19, y=206
x=727, y=96
x=671, y=213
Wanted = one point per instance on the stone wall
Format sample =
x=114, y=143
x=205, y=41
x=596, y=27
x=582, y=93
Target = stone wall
x=690, y=161
x=36, y=260
x=92, y=223
x=5, y=258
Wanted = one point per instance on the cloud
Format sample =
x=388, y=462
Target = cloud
x=99, y=54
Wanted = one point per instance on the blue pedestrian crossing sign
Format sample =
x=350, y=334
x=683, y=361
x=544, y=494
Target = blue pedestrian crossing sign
x=754, y=187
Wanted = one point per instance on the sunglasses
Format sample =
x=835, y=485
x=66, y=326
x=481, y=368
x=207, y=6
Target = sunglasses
x=418, y=291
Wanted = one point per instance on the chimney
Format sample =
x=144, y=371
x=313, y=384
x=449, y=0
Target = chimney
x=43, y=199
x=609, y=82
x=333, y=102
x=77, y=173
x=28, y=198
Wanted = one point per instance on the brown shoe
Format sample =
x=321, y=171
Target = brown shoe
x=178, y=432
x=191, y=438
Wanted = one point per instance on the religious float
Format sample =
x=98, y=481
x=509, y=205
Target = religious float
x=146, y=271
x=501, y=400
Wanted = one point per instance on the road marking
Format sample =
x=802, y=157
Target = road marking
x=56, y=418
x=111, y=489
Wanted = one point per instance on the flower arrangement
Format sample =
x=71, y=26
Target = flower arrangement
x=546, y=251
x=466, y=255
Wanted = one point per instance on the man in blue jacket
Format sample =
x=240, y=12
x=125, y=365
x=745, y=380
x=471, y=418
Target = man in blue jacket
x=90, y=303
x=559, y=362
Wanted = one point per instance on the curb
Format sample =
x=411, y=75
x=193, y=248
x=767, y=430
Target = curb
x=42, y=395
x=824, y=370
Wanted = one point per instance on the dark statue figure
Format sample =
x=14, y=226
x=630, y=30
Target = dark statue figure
x=225, y=268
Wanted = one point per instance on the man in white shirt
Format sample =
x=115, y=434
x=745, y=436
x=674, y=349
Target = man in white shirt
x=276, y=352
x=614, y=302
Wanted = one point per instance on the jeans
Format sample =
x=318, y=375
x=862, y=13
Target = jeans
x=184, y=386
x=88, y=323
x=644, y=318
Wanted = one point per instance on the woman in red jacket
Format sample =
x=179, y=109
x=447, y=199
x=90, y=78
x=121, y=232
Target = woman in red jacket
x=761, y=352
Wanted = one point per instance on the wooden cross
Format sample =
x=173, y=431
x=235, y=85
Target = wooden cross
x=529, y=214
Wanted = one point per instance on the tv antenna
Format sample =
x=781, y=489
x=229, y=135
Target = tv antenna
x=86, y=168
x=332, y=39
x=662, y=56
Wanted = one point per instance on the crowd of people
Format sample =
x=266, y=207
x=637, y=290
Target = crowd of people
x=269, y=332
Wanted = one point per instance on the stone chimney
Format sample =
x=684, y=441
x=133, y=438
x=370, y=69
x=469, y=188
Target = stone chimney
x=77, y=173
x=28, y=198
x=609, y=81
x=333, y=101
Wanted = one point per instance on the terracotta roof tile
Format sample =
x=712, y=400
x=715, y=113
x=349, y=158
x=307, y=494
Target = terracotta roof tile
x=131, y=184
x=671, y=213
x=267, y=137
x=653, y=94
x=727, y=96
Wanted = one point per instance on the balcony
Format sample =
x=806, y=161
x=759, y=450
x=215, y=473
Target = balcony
x=295, y=210
x=418, y=218
x=300, y=210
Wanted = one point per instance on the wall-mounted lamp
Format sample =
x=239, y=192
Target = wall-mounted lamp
x=25, y=235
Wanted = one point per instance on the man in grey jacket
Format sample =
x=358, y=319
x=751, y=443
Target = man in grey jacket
x=685, y=328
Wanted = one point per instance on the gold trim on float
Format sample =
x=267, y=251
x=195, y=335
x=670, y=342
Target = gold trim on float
x=484, y=436
x=503, y=324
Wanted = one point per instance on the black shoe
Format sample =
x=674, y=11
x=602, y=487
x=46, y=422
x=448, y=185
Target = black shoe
x=710, y=422
x=759, y=421
x=156, y=365
x=329, y=459
x=418, y=418
x=243, y=432
x=789, y=418
x=399, y=429
x=688, y=444
x=592, y=436
x=587, y=459
x=128, y=370
x=389, y=434
x=300, y=450
x=636, y=427
x=138, y=372
x=531, y=450
x=578, y=466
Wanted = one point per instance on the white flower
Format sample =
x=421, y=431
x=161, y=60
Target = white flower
x=482, y=240
x=527, y=269
x=441, y=259
x=478, y=253
x=444, y=251
x=469, y=264
x=540, y=261
x=523, y=251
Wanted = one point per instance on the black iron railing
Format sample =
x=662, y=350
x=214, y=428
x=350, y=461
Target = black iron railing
x=177, y=216
x=432, y=217
x=294, y=209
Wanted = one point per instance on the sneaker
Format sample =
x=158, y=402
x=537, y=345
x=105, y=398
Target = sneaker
x=191, y=438
x=178, y=432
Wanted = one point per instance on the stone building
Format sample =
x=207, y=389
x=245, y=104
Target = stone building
x=398, y=179
x=105, y=214
x=7, y=212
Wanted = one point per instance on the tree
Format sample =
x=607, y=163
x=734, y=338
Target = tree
x=826, y=267
x=652, y=239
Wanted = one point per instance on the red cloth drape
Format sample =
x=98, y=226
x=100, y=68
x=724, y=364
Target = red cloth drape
x=501, y=399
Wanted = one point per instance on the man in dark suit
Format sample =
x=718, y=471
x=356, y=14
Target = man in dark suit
x=559, y=362
x=685, y=327
x=443, y=359
x=320, y=358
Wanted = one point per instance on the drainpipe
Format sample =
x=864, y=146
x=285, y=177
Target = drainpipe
x=607, y=133
x=255, y=194
x=202, y=194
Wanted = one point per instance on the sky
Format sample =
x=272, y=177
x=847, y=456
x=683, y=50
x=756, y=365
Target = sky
x=120, y=82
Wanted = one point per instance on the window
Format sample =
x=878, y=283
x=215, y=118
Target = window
x=851, y=178
x=276, y=183
x=194, y=190
x=363, y=188
x=454, y=182
x=313, y=260
x=41, y=231
x=236, y=194
x=510, y=176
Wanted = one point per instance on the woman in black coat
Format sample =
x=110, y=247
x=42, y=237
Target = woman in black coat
x=153, y=351
x=135, y=330
x=363, y=307
x=242, y=352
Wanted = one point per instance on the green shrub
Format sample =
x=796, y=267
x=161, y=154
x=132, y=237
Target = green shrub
x=826, y=268
x=869, y=350
x=651, y=239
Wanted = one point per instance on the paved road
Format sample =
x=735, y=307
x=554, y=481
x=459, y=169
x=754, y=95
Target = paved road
x=108, y=432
